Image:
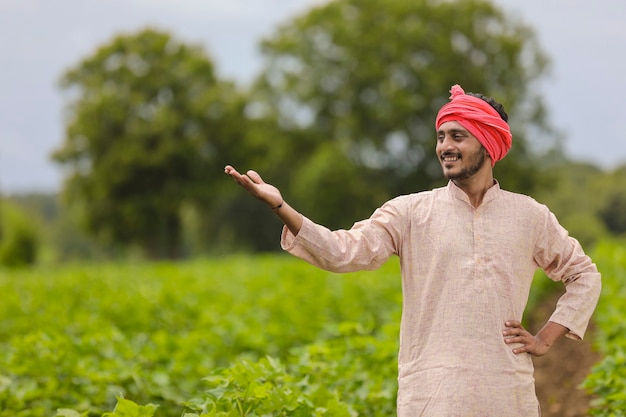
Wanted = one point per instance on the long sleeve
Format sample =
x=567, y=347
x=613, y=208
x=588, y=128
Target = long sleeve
x=366, y=246
x=563, y=259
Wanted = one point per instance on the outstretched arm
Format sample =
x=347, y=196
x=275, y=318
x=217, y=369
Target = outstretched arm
x=252, y=182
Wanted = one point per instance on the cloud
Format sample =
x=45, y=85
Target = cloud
x=42, y=38
x=231, y=9
x=28, y=6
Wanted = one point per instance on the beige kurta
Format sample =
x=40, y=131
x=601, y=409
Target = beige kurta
x=465, y=271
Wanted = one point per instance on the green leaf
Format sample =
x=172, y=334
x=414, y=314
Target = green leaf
x=128, y=408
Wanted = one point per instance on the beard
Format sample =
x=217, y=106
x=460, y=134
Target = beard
x=467, y=172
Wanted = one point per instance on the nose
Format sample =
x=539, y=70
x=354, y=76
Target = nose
x=447, y=143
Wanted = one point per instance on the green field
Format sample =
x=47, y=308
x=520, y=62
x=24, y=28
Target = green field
x=608, y=379
x=238, y=336
x=79, y=336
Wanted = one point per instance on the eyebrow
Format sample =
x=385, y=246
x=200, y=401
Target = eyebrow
x=454, y=130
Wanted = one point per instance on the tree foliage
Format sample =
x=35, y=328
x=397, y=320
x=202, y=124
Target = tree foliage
x=148, y=127
x=340, y=118
x=613, y=213
x=365, y=78
x=19, y=242
x=589, y=202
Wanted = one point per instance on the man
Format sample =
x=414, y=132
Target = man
x=468, y=253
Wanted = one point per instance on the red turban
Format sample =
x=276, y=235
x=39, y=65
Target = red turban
x=480, y=119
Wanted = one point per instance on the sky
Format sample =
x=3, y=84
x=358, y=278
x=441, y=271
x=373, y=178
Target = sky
x=41, y=39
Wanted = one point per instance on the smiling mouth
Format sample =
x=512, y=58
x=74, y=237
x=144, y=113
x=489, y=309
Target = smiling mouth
x=449, y=157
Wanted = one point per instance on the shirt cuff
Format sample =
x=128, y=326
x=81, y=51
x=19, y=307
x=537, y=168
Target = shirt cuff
x=288, y=240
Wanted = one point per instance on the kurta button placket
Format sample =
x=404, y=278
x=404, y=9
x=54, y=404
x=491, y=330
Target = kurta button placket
x=479, y=273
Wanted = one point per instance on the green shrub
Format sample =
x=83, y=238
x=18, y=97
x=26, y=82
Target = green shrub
x=18, y=239
x=607, y=382
x=78, y=337
x=238, y=336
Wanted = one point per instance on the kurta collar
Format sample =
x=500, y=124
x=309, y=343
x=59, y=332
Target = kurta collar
x=491, y=193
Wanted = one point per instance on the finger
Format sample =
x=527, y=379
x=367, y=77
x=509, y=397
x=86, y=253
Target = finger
x=255, y=177
x=247, y=182
x=520, y=344
x=242, y=180
x=516, y=339
x=513, y=323
x=229, y=170
x=513, y=332
x=521, y=349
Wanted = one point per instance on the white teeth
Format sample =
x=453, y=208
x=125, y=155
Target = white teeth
x=450, y=158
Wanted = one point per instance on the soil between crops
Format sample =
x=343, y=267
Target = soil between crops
x=558, y=374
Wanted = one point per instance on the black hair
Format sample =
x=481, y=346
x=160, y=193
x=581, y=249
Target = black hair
x=493, y=103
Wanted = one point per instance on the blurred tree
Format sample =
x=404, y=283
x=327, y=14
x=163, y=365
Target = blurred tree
x=19, y=241
x=613, y=212
x=572, y=181
x=365, y=78
x=149, y=128
x=330, y=179
x=589, y=202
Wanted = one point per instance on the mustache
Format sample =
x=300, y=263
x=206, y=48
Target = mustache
x=450, y=153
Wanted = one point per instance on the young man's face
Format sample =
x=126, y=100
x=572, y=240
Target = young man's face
x=461, y=155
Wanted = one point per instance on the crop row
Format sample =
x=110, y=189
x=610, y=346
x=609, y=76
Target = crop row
x=78, y=337
x=607, y=381
x=240, y=336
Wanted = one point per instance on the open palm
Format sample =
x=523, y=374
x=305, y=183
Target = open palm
x=254, y=184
